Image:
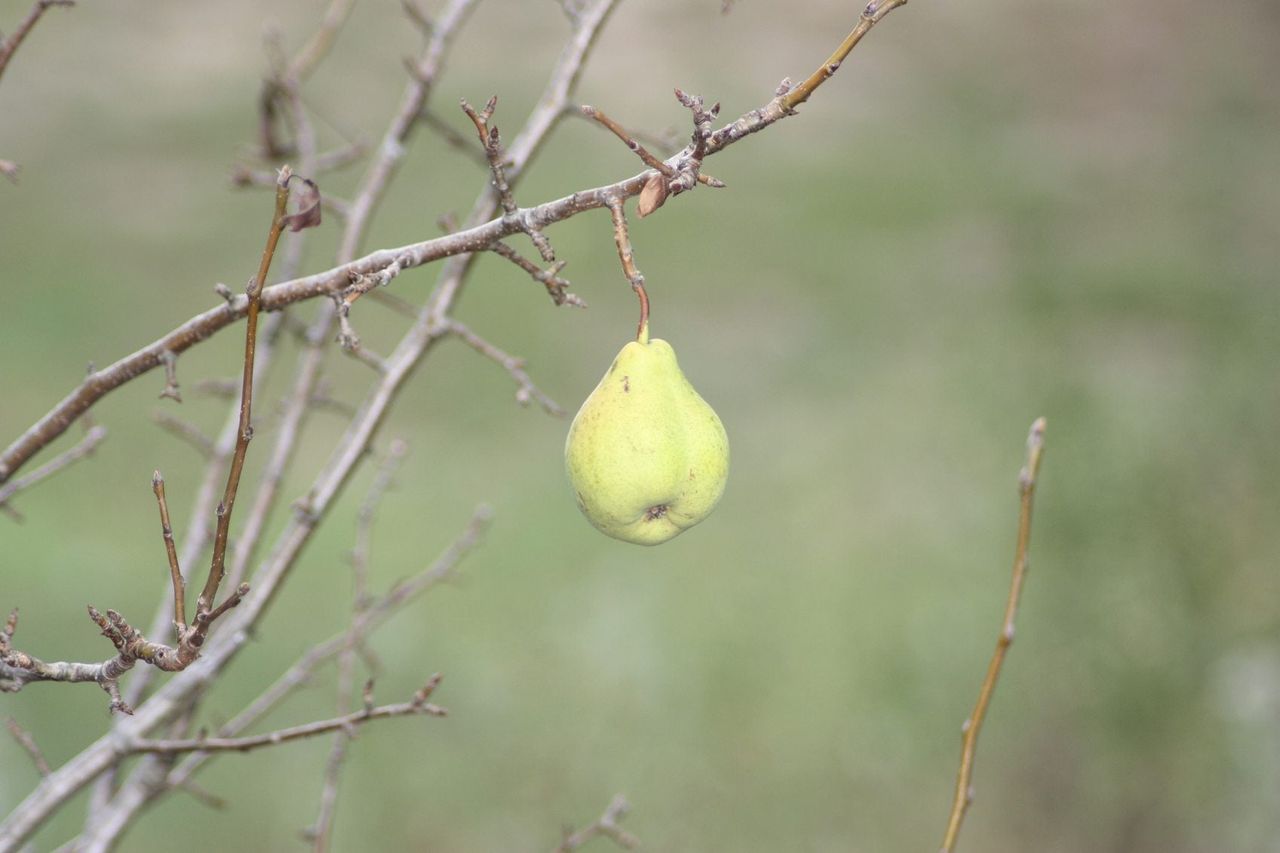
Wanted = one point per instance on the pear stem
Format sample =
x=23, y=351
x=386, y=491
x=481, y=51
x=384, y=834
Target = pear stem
x=642, y=333
x=623, y=240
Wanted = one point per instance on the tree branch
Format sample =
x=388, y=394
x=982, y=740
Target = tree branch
x=171, y=550
x=550, y=278
x=418, y=705
x=514, y=366
x=29, y=745
x=478, y=236
x=973, y=726
x=92, y=438
x=482, y=229
x=244, y=428
x=606, y=825
x=10, y=45
x=139, y=792
x=319, y=833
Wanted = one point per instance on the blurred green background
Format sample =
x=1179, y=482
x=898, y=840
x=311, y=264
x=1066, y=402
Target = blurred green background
x=995, y=211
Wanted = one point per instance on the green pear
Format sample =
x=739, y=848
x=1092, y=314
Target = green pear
x=647, y=457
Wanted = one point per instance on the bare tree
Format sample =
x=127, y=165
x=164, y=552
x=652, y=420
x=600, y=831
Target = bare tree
x=155, y=719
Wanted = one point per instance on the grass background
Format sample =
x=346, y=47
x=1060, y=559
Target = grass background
x=995, y=211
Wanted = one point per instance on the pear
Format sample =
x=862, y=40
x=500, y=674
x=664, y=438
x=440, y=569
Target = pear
x=647, y=457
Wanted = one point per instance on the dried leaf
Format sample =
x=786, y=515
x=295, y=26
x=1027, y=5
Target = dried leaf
x=653, y=195
x=308, y=215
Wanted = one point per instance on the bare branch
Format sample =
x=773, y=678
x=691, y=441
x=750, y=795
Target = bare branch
x=550, y=278
x=171, y=550
x=360, y=285
x=606, y=825
x=244, y=429
x=418, y=705
x=185, y=430
x=131, y=645
x=171, y=390
x=973, y=726
x=453, y=137
x=321, y=41
x=320, y=832
x=670, y=179
x=636, y=148
x=492, y=143
x=92, y=438
x=28, y=743
x=9, y=45
x=139, y=792
x=479, y=234
x=689, y=167
x=514, y=366
x=481, y=230
x=871, y=15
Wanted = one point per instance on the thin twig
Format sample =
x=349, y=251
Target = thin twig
x=171, y=550
x=492, y=142
x=83, y=448
x=453, y=138
x=320, y=832
x=871, y=15
x=550, y=278
x=973, y=726
x=636, y=148
x=185, y=430
x=418, y=705
x=606, y=825
x=171, y=389
x=305, y=61
x=28, y=743
x=244, y=433
x=514, y=366
x=10, y=45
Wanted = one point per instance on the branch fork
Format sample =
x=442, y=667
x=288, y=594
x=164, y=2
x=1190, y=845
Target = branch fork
x=18, y=668
x=492, y=143
x=679, y=173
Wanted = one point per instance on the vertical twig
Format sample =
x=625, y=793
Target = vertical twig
x=175, y=572
x=204, y=603
x=321, y=831
x=973, y=725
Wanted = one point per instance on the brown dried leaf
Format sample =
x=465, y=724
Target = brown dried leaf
x=653, y=195
x=308, y=215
